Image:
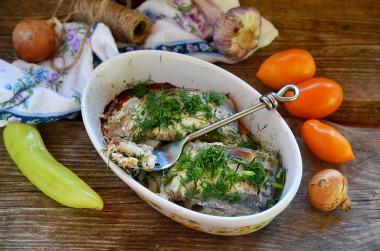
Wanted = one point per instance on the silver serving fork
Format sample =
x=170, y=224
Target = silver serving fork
x=169, y=153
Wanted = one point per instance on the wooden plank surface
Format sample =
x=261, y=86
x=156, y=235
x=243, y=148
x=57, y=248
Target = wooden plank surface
x=344, y=38
x=29, y=219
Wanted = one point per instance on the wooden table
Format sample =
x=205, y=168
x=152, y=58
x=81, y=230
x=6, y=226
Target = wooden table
x=343, y=37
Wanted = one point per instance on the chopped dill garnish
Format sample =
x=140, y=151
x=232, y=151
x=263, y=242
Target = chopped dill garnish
x=191, y=193
x=159, y=111
x=234, y=197
x=140, y=89
x=263, y=182
x=191, y=104
x=279, y=186
x=210, y=169
x=166, y=109
x=271, y=203
x=214, y=97
x=251, y=143
x=276, y=185
x=280, y=173
x=167, y=178
x=256, y=166
x=248, y=173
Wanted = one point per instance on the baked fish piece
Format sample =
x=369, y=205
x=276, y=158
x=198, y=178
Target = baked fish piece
x=167, y=113
x=220, y=180
x=161, y=112
x=131, y=155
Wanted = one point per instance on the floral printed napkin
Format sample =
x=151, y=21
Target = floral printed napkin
x=178, y=26
x=36, y=93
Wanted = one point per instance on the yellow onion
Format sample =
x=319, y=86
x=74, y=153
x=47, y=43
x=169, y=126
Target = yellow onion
x=34, y=40
x=327, y=190
x=236, y=32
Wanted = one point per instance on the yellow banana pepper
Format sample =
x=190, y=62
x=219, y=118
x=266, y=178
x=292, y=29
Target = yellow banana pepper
x=27, y=149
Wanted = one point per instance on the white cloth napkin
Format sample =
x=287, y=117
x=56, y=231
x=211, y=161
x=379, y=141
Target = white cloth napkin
x=178, y=26
x=36, y=93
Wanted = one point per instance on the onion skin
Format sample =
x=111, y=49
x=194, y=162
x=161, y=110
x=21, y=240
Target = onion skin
x=34, y=39
x=327, y=190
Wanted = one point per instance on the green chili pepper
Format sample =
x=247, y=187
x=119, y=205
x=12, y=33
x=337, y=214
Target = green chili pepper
x=26, y=148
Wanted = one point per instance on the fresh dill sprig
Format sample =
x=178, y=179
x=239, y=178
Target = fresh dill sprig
x=234, y=197
x=214, y=97
x=279, y=186
x=165, y=109
x=209, y=168
x=251, y=143
x=257, y=167
x=140, y=89
x=159, y=111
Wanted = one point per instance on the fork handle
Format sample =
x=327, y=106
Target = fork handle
x=268, y=101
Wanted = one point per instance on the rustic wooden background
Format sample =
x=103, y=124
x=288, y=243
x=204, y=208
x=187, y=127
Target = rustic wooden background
x=343, y=37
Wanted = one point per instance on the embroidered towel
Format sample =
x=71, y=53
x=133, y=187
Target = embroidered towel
x=178, y=26
x=36, y=93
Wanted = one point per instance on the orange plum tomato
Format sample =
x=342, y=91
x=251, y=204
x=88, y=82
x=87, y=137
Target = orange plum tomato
x=318, y=98
x=326, y=142
x=286, y=67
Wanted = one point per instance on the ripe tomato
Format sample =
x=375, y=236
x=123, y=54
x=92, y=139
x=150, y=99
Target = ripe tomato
x=318, y=98
x=326, y=142
x=286, y=67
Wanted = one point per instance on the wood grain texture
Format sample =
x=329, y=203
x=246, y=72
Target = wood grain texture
x=344, y=40
x=343, y=36
x=29, y=219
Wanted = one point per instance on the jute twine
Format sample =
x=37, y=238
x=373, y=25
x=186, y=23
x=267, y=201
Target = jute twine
x=126, y=25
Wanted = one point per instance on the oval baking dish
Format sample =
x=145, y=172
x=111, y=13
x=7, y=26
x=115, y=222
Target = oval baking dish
x=112, y=77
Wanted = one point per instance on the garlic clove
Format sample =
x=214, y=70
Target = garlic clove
x=211, y=12
x=237, y=32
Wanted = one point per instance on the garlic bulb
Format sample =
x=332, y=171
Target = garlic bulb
x=236, y=32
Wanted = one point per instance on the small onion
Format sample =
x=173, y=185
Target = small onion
x=327, y=190
x=34, y=40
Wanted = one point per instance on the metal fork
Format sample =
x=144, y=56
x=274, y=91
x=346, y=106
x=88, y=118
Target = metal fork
x=168, y=154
